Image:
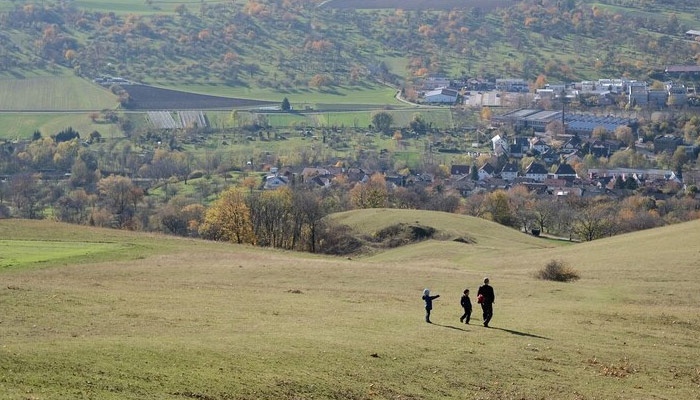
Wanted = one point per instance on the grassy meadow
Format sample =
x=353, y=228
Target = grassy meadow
x=23, y=125
x=366, y=94
x=166, y=318
x=48, y=93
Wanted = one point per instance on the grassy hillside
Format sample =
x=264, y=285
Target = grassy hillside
x=174, y=318
x=53, y=93
x=267, y=50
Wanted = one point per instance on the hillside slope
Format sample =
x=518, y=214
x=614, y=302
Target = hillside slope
x=267, y=50
x=177, y=318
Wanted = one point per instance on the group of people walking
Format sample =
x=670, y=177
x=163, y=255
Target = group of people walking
x=485, y=296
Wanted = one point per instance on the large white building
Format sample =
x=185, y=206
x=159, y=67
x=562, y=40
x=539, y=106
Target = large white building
x=442, y=95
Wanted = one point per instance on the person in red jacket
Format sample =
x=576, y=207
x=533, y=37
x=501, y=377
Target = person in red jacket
x=489, y=297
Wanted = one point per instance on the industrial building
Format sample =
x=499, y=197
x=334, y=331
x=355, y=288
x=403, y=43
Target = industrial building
x=580, y=124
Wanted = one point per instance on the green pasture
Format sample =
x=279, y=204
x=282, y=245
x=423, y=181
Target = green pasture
x=49, y=93
x=193, y=319
x=22, y=253
x=23, y=125
x=371, y=94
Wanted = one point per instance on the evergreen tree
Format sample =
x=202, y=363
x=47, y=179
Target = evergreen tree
x=285, y=104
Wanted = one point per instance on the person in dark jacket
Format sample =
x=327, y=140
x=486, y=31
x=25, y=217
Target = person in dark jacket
x=467, y=306
x=489, y=298
x=428, y=303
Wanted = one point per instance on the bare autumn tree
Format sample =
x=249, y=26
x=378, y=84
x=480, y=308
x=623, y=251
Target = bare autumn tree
x=308, y=213
x=120, y=196
x=593, y=221
x=25, y=192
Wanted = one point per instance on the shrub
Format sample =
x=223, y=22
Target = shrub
x=338, y=240
x=558, y=271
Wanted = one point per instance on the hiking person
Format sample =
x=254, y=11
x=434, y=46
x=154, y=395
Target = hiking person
x=467, y=306
x=486, y=297
x=428, y=303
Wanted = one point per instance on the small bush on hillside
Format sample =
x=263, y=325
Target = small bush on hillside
x=402, y=234
x=338, y=240
x=558, y=271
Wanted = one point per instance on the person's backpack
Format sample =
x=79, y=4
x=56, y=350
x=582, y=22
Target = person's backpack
x=480, y=298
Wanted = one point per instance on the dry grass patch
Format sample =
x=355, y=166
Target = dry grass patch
x=557, y=271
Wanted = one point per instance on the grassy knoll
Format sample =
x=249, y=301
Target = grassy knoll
x=53, y=93
x=219, y=321
x=23, y=125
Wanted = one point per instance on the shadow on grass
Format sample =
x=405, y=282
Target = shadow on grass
x=518, y=333
x=450, y=327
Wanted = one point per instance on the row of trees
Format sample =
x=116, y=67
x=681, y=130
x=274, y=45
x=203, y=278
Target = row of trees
x=581, y=218
x=285, y=218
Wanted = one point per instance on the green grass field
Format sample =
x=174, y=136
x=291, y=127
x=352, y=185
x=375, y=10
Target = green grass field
x=177, y=318
x=371, y=94
x=23, y=125
x=21, y=253
x=53, y=93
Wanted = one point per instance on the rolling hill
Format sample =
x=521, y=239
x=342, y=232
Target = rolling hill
x=92, y=313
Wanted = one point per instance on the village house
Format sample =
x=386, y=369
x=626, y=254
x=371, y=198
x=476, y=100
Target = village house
x=566, y=172
x=667, y=143
x=574, y=143
x=435, y=82
x=512, y=85
x=638, y=174
x=536, y=172
x=273, y=182
x=519, y=147
x=486, y=171
x=539, y=145
x=509, y=172
x=692, y=34
x=460, y=169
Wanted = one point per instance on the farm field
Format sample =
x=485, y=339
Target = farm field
x=23, y=125
x=154, y=98
x=178, y=318
x=48, y=93
x=370, y=94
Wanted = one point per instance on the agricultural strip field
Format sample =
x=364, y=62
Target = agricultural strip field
x=23, y=125
x=485, y=5
x=369, y=94
x=184, y=119
x=145, y=97
x=59, y=93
